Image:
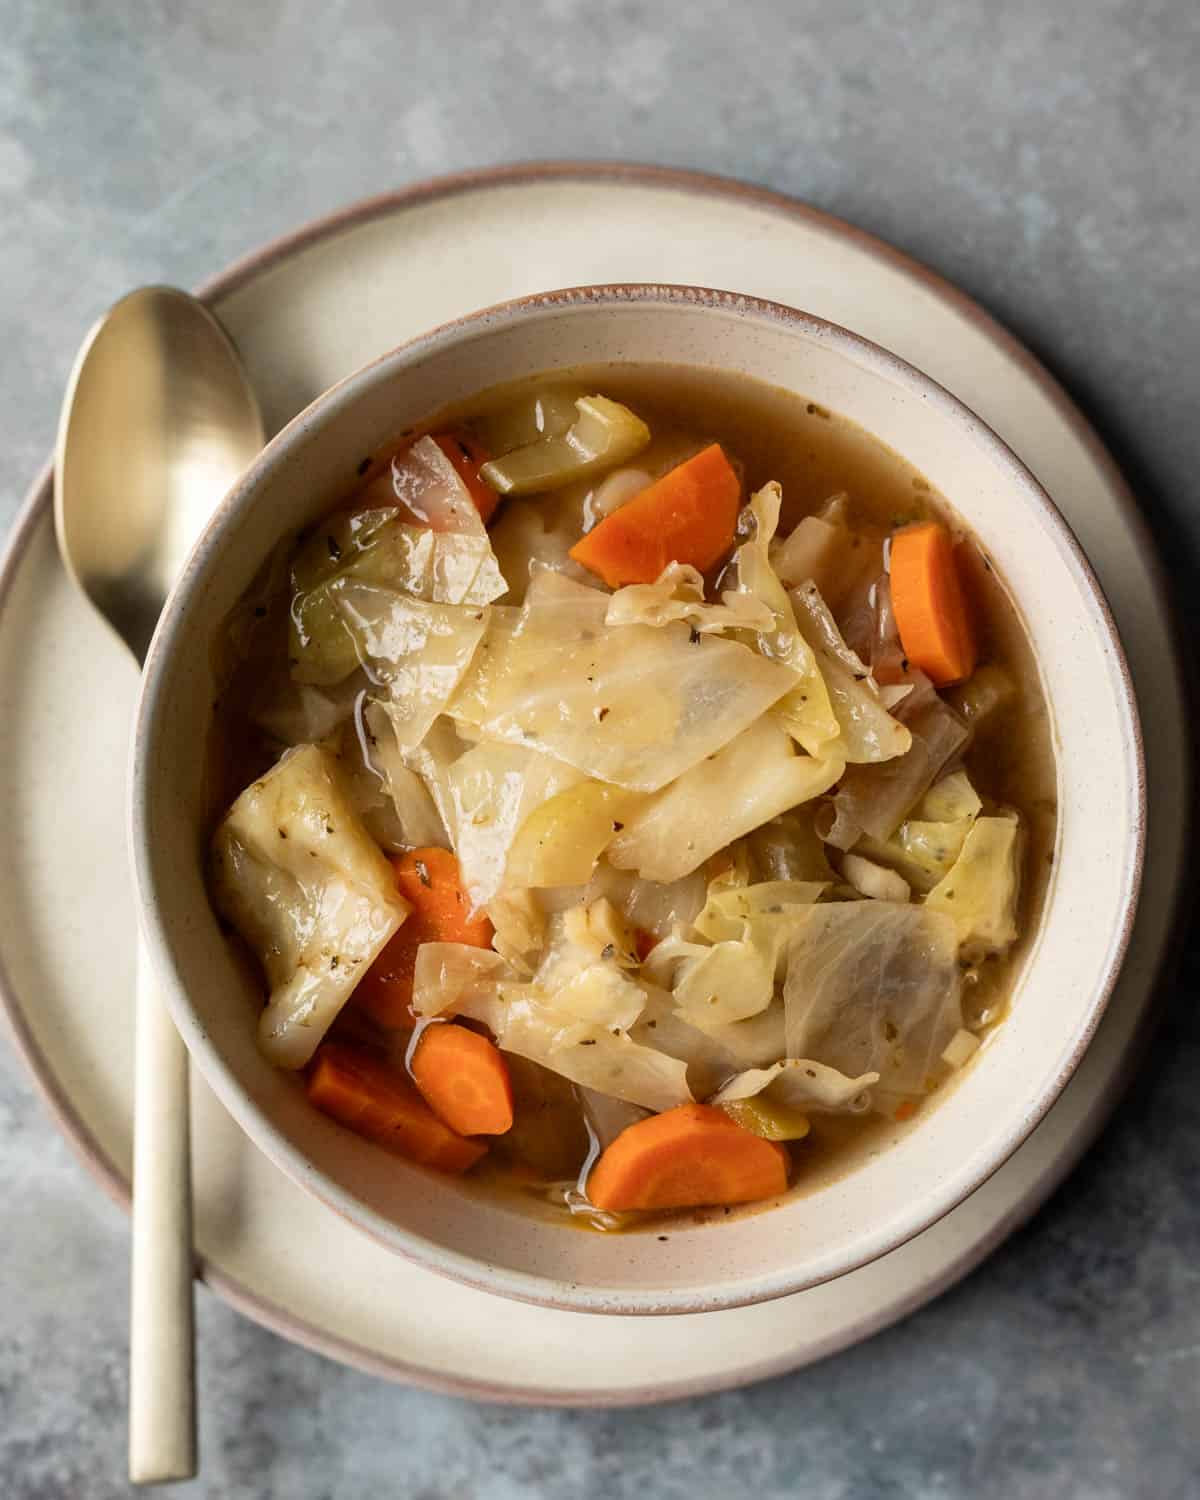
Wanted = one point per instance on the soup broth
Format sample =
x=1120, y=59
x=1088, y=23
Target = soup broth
x=412, y=694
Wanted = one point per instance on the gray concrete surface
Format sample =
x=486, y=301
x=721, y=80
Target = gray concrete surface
x=1046, y=157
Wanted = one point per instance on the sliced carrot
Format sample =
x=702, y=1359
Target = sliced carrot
x=930, y=605
x=686, y=1158
x=430, y=882
x=464, y=1079
x=379, y=1102
x=906, y=1109
x=687, y=516
x=468, y=455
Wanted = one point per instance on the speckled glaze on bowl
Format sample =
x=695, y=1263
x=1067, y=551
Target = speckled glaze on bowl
x=924, y=1169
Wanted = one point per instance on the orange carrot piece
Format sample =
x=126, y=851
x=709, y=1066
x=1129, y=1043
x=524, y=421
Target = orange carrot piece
x=379, y=1102
x=930, y=605
x=906, y=1109
x=464, y=1079
x=687, y=516
x=468, y=456
x=687, y=1157
x=430, y=882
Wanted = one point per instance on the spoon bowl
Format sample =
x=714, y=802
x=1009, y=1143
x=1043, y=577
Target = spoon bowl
x=157, y=423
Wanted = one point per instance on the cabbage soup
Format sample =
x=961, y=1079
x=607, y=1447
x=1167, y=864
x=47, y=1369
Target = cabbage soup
x=637, y=795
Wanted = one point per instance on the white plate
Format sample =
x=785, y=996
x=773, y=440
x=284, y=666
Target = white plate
x=304, y=313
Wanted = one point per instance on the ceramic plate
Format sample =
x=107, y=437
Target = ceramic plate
x=305, y=312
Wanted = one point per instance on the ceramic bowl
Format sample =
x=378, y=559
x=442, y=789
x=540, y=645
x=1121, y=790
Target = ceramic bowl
x=920, y=1170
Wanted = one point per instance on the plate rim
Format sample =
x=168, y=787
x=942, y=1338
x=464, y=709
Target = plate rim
x=248, y=268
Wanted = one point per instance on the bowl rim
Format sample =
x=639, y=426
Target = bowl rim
x=529, y=1287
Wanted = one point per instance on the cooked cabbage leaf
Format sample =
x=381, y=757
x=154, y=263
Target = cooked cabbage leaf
x=520, y=928
x=806, y=710
x=731, y=909
x=799, y=1083
x=925, y=845
x=447, y=559
x=432, y=760
x=492, y=790
x=752, y=779
x=560, y=841
x=299, y=877
x=653, y=907
x=873, y=987
x=790, y=848
x=419, y=652
x=979, y=891
x=825, y=548
x=420, y=823
x=712, y=1053
x=875, y=799
x=869, y=732
x=627, y=704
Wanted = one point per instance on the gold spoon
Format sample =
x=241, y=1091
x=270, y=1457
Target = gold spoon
x=158, y=421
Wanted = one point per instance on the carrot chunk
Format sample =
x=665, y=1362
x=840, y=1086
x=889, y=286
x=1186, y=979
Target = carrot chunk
x=430, y=881
x=930, y=605
x=468, y=456
x=379, y=1102
x=464, y=1079
x=687, y=1157
x=687, y=516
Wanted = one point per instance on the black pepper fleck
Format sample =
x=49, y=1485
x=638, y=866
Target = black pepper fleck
x=617, y=826
x=364, y=465
x=334, y=550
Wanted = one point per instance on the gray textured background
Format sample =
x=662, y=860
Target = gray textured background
x=1047, y=158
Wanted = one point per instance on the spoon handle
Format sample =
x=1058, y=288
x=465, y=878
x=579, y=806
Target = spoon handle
x=162, y=1393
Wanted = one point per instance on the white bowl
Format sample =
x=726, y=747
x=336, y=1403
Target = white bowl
x=922, y=1169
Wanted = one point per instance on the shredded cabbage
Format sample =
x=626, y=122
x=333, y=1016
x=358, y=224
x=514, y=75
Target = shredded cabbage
x=299, y=877
x=752, y=779
x=678, y=595
x=873, y=987
x=626, y=704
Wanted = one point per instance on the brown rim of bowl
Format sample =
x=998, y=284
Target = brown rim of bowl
x=283, y=1151
x=260, y=262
